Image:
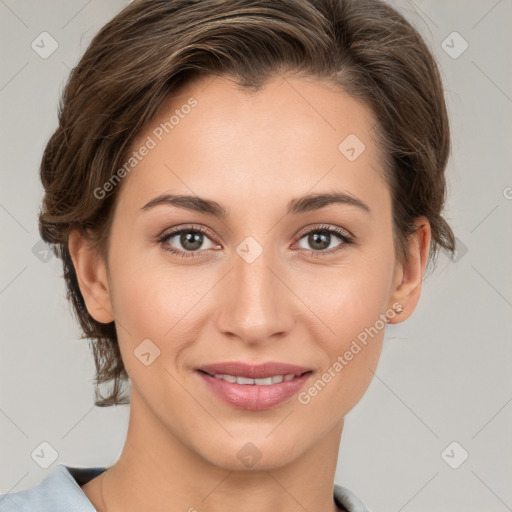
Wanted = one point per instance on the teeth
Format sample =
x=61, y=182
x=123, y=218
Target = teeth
x=229, y=378
x=276, y=379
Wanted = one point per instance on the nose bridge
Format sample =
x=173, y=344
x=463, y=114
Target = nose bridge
x=255, y=299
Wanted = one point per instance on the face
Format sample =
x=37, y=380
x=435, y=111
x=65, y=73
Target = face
x=275, y=278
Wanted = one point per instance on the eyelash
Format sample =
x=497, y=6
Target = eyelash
x=346, y=239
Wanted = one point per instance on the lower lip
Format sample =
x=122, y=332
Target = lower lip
x=254, y=397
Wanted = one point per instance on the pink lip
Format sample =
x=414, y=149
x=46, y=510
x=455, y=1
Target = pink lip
x=254, y=397
x=254, y=371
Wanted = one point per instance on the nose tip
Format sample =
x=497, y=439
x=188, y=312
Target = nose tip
x=253, y=304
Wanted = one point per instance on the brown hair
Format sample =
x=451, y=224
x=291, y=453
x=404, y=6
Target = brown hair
x=152, y=47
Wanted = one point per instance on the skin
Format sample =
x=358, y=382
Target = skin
x=252, y=153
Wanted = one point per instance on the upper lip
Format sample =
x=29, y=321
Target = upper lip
x=253, y=371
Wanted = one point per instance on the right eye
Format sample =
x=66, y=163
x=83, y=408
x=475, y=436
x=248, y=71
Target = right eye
x=191, y=240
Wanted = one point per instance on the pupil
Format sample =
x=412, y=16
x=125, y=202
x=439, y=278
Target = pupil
x=320, y=238
x=191, y=240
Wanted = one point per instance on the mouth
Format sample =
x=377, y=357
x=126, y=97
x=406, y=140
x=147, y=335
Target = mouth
x=254, y=387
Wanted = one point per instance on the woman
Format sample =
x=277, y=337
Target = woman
x=243, y=194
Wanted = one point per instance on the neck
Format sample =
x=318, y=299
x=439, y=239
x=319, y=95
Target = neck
x=156, y=471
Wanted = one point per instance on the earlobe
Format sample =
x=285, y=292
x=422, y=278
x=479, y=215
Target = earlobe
x=409, y=274
x=91, y=273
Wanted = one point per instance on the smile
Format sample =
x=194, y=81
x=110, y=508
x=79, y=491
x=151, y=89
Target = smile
x=254, y=394
x=275, y=379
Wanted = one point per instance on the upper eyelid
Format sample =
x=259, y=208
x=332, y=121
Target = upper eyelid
x=322, y=227
x=175, y=231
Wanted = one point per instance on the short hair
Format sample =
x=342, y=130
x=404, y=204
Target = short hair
x=152, y=47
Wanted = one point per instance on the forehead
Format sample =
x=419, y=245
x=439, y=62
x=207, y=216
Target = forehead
x=292, y=136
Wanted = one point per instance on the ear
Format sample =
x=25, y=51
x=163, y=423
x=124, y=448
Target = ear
x=91, y=272
x=409, y=274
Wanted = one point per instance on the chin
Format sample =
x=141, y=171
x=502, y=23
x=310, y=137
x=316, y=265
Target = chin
x=255, y=453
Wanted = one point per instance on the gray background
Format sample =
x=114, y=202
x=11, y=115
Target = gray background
x=444, y=375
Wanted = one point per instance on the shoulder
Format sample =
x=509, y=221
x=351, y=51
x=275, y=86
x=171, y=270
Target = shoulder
x=347, y=501
x=59, y=491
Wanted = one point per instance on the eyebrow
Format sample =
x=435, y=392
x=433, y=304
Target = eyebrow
x=296, y=206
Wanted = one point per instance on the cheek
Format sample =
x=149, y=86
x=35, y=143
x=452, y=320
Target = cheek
x=350, y=347
x=154, y=301
x=151, y=294
x=349, y=304
x=348, y=298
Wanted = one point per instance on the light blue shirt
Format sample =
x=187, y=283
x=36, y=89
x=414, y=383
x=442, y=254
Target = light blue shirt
x=60, y=491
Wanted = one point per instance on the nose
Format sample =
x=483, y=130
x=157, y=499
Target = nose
x=255, y=303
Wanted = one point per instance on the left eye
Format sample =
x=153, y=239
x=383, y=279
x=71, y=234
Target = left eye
x=321, y=238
